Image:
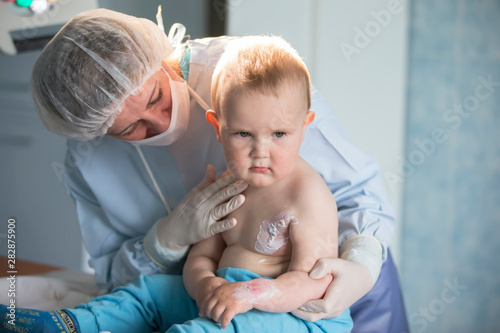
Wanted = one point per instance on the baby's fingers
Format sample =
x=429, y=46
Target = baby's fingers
x=209, y=309
x=217, y=312
x=226, y=318
x=206, y=307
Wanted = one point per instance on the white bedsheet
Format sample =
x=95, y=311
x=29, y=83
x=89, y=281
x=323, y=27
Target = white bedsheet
x=52, y=291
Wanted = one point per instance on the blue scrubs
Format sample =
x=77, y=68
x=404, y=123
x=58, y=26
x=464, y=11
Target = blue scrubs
x=161, y=303
x=117, y=202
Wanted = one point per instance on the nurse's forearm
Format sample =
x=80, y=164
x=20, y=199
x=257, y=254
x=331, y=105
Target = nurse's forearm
x=363, y=208
x=365, y=250
x=125, y=265
x=160, y=255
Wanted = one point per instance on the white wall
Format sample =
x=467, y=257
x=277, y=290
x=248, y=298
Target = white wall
x=363, y=80
x=46, y=226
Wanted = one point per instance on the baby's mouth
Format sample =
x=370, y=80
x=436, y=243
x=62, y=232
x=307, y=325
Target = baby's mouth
x=259, y=169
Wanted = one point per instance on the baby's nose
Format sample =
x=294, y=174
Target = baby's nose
x=260, y=149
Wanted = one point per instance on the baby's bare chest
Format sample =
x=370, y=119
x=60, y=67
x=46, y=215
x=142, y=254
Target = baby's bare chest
x=263, y=226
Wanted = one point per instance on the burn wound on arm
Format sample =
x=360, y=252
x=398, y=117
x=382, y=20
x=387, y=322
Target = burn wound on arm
x=274, y=233
x=256, y=291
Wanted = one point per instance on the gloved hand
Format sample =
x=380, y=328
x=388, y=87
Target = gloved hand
x=353, y=276
x=351, y=281
x=198, y=216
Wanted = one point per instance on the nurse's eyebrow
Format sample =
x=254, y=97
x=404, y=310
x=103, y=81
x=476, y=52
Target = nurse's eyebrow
x=123, y=131
x=147, y=105
x=156, y=100
x=129, y=127
x=152, y=93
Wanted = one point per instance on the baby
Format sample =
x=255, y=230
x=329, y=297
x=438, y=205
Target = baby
x=249, y=278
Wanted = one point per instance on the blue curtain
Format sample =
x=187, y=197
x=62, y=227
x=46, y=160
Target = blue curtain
x=451, y=169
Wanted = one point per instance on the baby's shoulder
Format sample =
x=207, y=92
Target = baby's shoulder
x=313, y=203
x=307, y=181
x=308, y=191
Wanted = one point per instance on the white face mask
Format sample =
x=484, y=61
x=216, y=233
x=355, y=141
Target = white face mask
x=180, y=116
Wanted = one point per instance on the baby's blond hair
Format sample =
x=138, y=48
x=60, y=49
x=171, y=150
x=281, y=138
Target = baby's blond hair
x=263, y=64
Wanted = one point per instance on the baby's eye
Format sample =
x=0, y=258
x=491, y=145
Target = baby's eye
x=243, y=134
x=279, y=134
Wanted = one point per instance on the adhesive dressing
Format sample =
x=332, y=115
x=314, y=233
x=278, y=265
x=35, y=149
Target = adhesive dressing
x=256, y=291
x=273, y=233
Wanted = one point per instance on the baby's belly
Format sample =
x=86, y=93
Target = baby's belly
x=266, y=266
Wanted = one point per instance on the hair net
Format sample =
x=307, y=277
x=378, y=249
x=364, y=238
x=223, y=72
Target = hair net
x=85, y=73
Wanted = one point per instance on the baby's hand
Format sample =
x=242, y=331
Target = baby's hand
x=225, y=302
x=205, y=288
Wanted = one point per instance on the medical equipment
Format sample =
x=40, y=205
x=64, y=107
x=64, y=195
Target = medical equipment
x=30, y=24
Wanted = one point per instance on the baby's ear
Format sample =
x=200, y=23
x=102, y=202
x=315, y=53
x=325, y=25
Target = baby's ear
x=212, y=119
x=309, y=117
x=307, y=120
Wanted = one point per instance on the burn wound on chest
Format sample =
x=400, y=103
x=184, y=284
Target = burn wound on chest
x=274, y=233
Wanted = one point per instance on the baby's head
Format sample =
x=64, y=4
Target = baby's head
x=261, y=64
x=261, y=95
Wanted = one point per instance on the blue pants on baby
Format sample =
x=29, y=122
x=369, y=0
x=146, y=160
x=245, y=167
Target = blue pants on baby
x=161, y=303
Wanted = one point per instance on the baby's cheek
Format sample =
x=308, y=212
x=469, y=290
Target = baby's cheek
x=234, y=164
x=286, y=157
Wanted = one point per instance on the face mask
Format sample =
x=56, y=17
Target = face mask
x=180, y=116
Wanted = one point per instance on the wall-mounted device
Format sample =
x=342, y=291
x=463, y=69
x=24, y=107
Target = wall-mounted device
x=30, y=24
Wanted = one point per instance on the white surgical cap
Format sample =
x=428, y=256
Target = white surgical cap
x=85, y=73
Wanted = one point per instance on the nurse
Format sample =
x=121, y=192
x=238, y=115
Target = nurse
x=132, y=103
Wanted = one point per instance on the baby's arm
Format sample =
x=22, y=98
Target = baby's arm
x=200, y=267
x=284, y=294
x=314, y=236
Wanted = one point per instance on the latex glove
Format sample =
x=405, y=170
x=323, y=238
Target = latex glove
x=200, y=214
x=351, y=281
x=353, y=276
